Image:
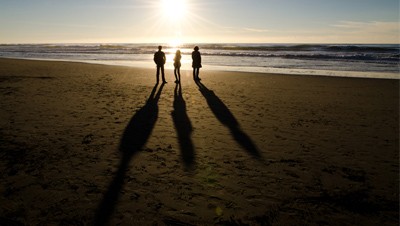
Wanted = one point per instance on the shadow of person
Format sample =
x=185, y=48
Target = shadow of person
x=183, y=128
x=225, y=116
x=134, y=137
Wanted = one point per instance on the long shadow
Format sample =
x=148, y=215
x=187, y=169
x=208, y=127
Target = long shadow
x=135, y=136
x=225, y=116
x=183, y=128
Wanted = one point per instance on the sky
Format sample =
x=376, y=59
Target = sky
x=199, y=21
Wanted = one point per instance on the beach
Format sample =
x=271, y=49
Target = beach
x=88, y=144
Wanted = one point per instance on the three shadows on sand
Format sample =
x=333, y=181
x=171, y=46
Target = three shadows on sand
x=141, y=124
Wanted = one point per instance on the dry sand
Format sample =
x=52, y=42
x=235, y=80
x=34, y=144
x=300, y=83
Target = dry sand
x=86, y=144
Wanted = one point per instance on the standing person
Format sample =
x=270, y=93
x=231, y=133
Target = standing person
x=159, y=59
x=177, y=66
x=196, y=64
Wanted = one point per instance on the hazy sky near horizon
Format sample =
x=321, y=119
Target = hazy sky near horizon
x=199, y=21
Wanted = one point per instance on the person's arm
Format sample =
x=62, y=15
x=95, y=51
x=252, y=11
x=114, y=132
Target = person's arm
x=164, y=58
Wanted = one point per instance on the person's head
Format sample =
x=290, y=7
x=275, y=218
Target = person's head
x=196, y=48
x=178, y=52
x=159, y=48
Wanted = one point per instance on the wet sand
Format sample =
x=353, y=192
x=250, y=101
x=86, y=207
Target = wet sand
x=84, y=144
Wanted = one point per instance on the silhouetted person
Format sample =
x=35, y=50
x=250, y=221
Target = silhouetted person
x=159, y=59
x=196, y=64
x=177, y=66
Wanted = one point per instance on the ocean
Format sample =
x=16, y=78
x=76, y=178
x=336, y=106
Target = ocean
x=343, y=60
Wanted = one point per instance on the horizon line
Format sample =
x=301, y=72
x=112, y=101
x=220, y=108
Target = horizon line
x=186, y=43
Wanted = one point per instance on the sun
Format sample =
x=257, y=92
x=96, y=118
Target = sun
x=174, y=43
x=174, y=10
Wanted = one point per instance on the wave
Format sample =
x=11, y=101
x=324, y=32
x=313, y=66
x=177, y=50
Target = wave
x=302, y=47
x=255, y=47
x=392, y=58
x=354, y=48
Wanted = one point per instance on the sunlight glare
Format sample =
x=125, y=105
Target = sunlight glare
x=174, y=10
x=175, y=43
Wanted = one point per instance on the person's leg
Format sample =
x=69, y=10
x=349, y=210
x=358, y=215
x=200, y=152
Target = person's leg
x=194, y=73
x=175, y=73
x=179, y=74
x=162, y=73
x=197, y=74
x=158, y=73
